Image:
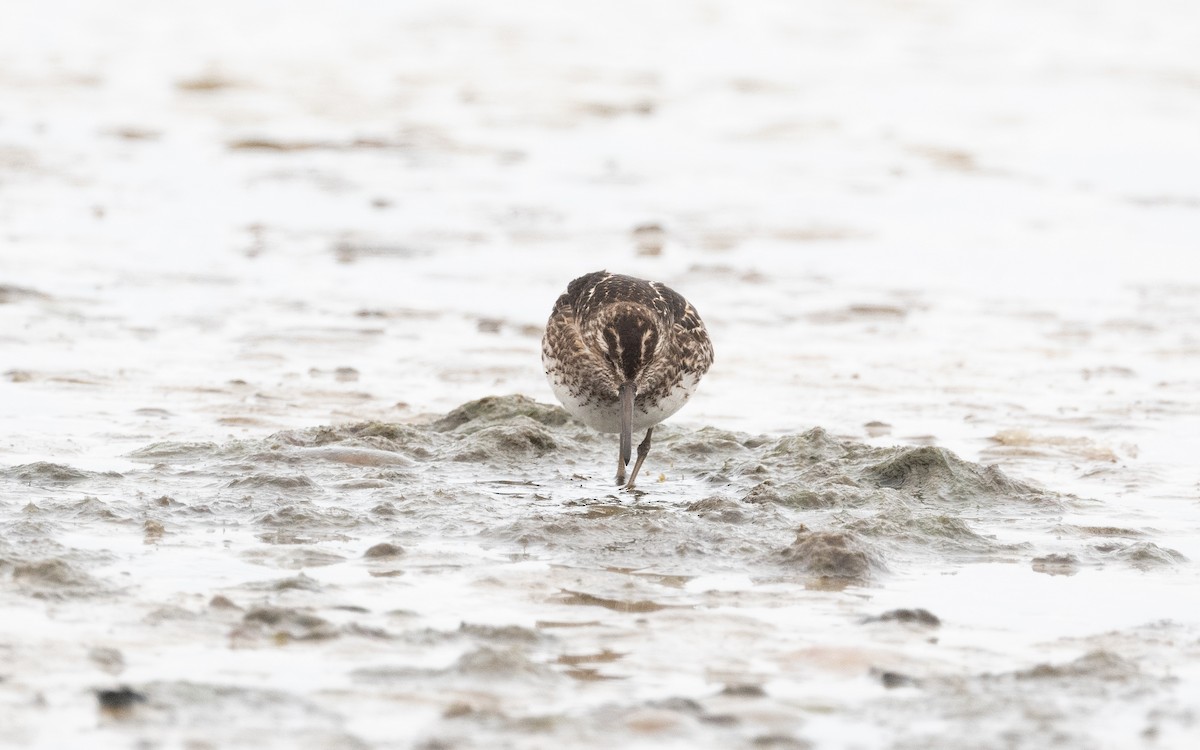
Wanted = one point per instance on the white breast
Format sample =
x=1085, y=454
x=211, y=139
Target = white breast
x=606, y=417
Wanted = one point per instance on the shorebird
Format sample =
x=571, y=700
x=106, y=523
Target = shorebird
x=623, y=354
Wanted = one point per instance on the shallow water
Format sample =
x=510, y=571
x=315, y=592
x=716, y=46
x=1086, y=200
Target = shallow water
x=264, y=290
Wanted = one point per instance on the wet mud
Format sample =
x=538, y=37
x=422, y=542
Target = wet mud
x=374, y=547
x=253, y=288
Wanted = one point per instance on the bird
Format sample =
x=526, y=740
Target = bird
x=622, y=354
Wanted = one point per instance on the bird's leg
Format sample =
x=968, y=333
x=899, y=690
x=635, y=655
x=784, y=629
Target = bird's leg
x=620, y=471
x=643, y=450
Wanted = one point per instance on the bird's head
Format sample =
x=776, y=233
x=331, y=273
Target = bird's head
x=628, y=343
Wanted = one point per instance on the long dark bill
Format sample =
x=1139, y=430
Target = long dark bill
x=626, y=392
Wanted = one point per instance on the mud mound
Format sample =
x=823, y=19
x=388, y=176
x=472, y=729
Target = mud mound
x=362, y=436
x=524, y=475
x=519, y=439
x=811, y=447
x=797, y=495
x=832, y=554
x=298, y=483
x=173, y=451
x=54, y=579
x=493, y=409
x=931, y=473
x=43, y=472
x=899, y=523
x=1141, y=555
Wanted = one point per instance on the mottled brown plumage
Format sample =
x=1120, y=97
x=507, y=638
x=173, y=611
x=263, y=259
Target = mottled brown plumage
x=623, y=354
